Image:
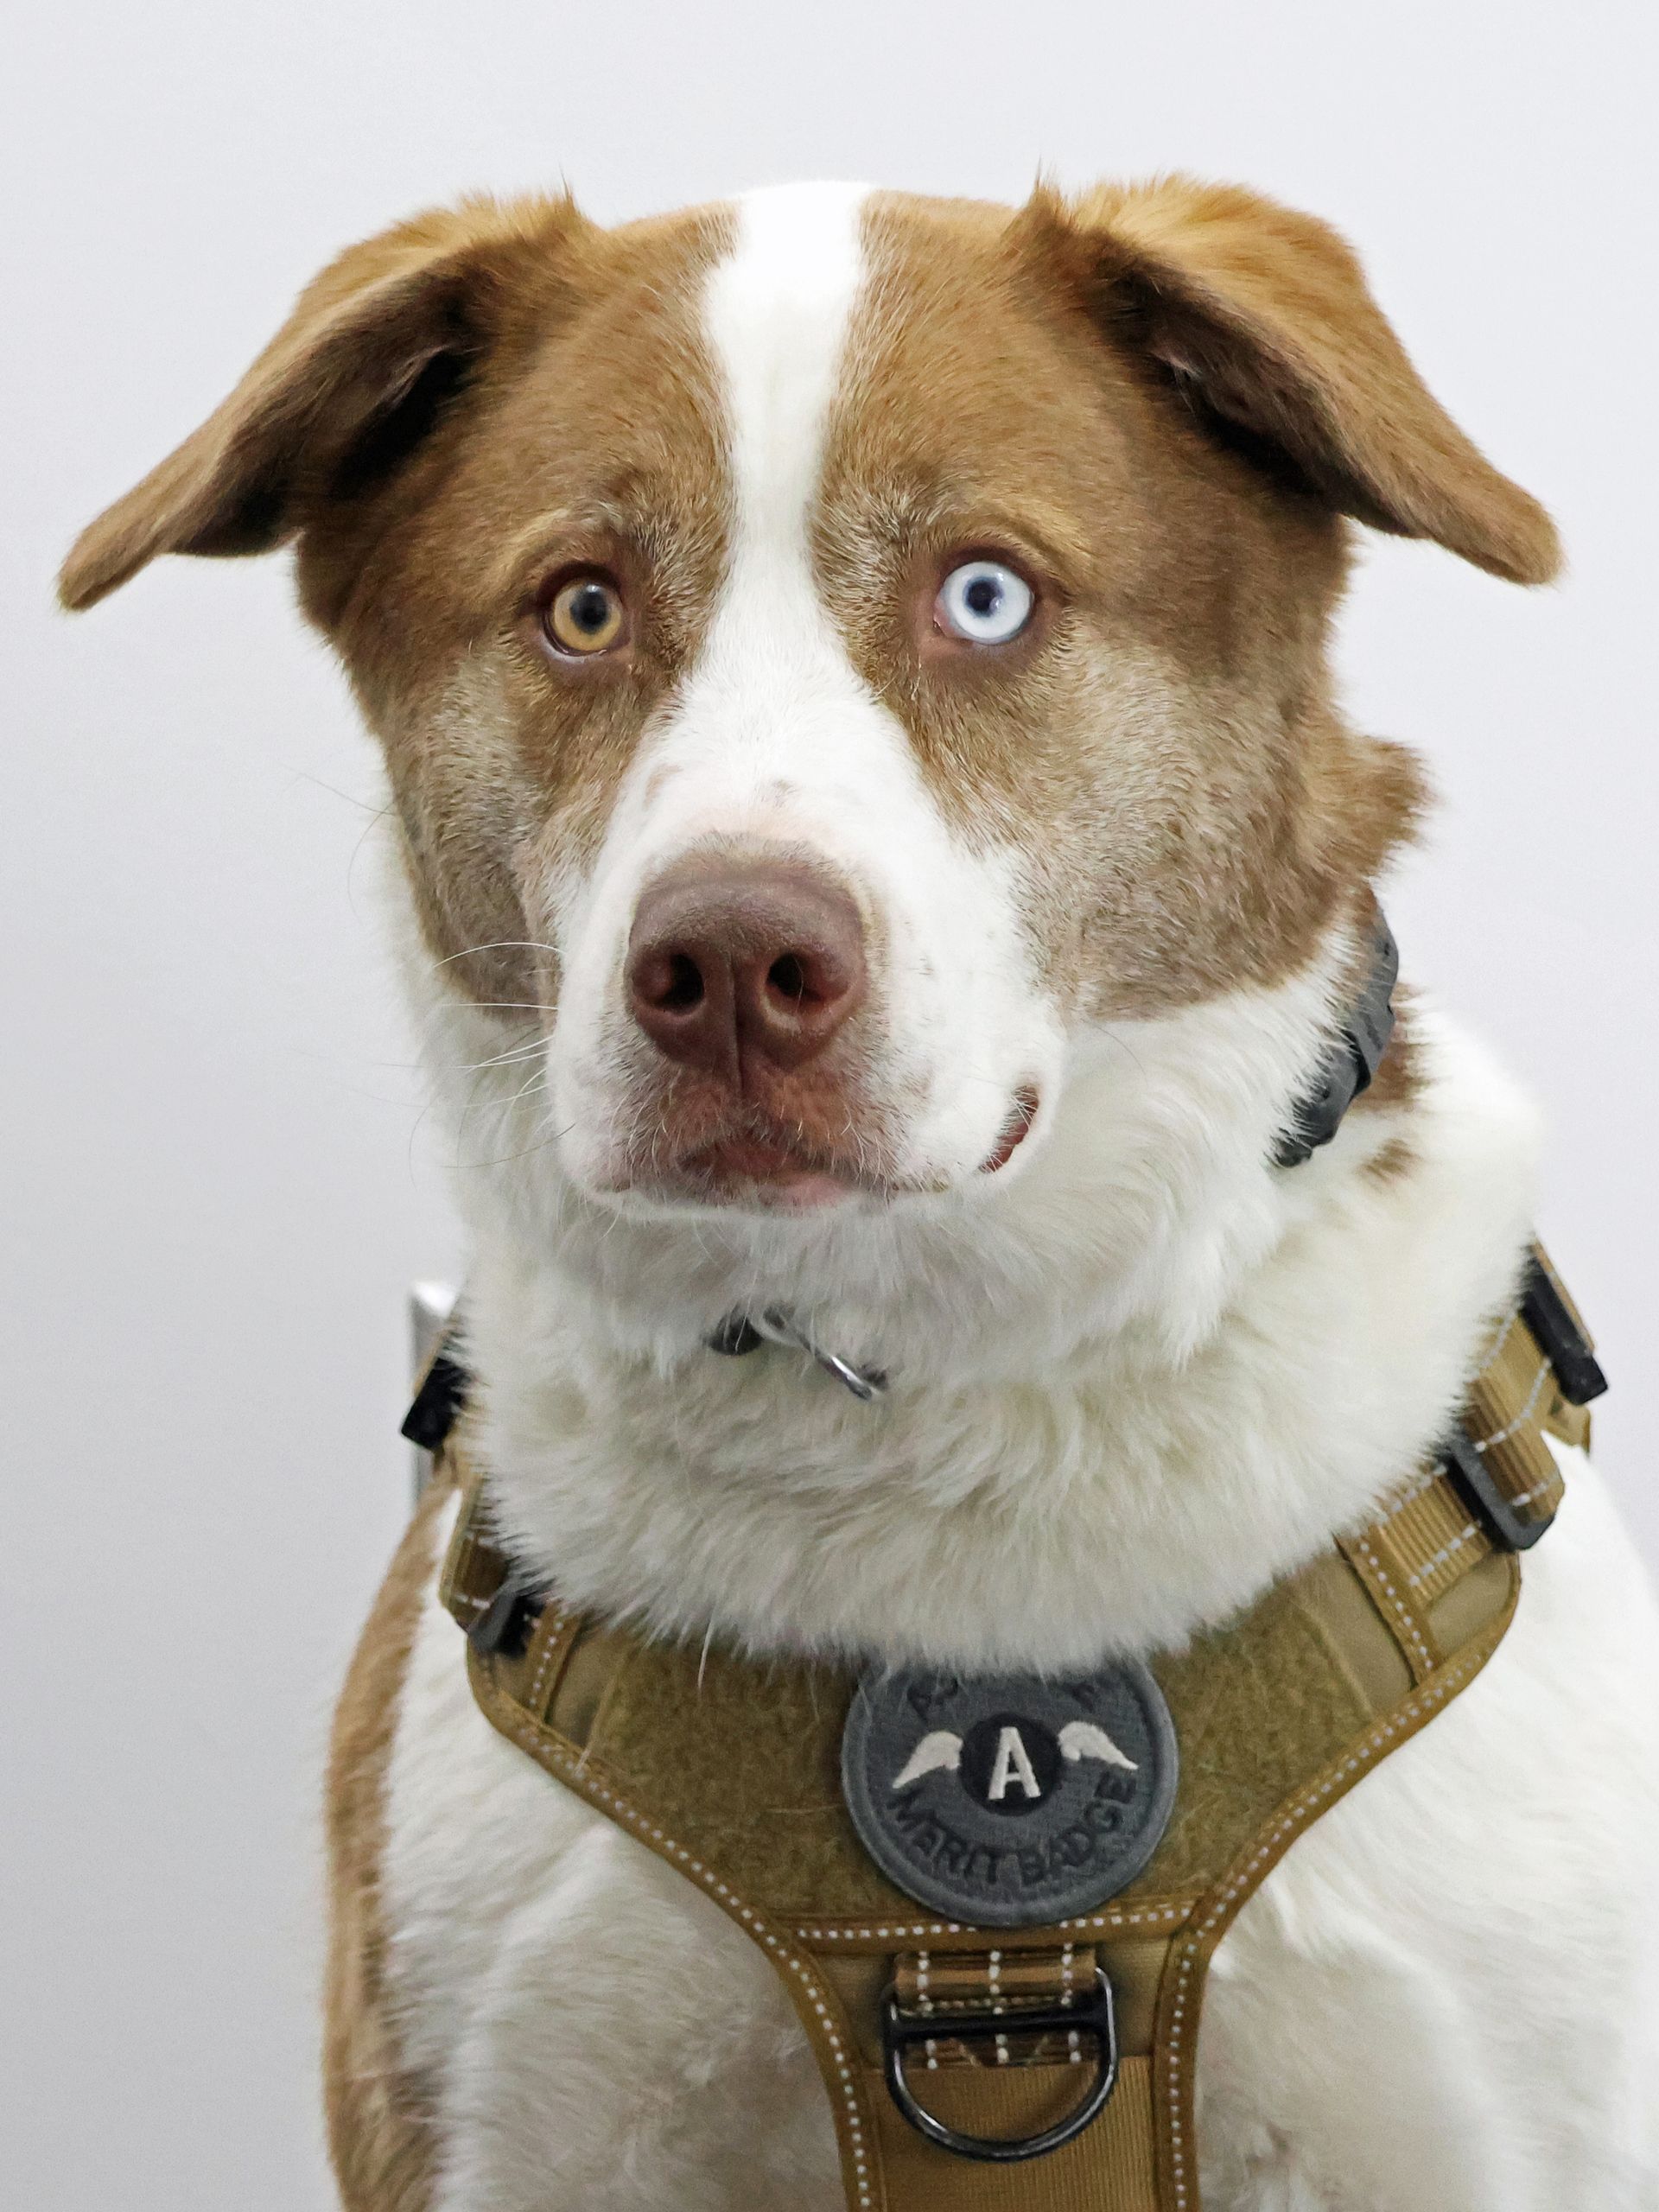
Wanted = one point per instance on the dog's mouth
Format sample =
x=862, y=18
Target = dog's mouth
x=756, y=1161
x=772, y=1170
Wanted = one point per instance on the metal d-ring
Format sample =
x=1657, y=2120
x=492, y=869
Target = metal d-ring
x=1096, y=2017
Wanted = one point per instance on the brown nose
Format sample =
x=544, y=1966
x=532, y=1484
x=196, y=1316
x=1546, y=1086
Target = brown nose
x=732, y=964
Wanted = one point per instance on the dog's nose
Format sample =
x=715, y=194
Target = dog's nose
x=733, y=962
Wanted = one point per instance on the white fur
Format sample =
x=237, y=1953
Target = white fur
x=1446, y=1997
x=1132, y=1383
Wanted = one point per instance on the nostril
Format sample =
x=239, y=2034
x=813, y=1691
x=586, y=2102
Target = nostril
x=669, y=982
x=683, y=985
x=786, y=978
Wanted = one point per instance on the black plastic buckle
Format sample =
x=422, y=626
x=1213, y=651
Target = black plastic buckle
x=505, y=1623
x=439, y=1400
x=1095, y=2016
x=1561, y=1339
x=1483, y=1498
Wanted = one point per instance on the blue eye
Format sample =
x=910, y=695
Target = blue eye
x=984, y=602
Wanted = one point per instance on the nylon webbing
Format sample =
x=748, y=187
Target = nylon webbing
x=1367, y=1645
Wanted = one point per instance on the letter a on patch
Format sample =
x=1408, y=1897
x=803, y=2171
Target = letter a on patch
x=1013, y=1764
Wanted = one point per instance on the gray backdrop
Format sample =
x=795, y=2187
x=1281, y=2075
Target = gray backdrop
x=219, y=1188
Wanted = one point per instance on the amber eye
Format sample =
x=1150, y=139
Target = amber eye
x=585, y=614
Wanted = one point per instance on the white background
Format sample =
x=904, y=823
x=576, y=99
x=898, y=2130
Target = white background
x=217, y=1191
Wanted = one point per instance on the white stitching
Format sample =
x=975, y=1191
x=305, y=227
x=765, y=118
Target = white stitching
x=1424, y=1484
x=1444, y=1553
x=1537, y=1491
x=1363, y=1546
x=1525, y=1415
x=1142, y=1916
x=553, y=1633
x=1502, y=1337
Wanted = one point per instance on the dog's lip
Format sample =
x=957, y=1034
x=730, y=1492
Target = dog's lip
x=767, y=1169
x=760, y=1164
x=793, y=1176
x=1014, y=1131
x=757, y=1159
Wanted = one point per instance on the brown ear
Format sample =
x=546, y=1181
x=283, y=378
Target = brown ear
x=355, y=377
x=1262, y=317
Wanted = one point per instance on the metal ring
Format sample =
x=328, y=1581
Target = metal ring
x=1097, y=2018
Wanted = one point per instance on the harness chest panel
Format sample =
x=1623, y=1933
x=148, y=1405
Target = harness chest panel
x=957, y=2052
x=1011, y=1799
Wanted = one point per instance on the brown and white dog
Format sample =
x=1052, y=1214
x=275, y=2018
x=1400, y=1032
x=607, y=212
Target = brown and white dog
x=880, y=843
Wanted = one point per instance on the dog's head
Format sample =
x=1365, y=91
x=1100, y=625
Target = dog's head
x=837, y=651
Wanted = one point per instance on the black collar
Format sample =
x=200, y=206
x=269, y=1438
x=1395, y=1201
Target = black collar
x=1353, y=1058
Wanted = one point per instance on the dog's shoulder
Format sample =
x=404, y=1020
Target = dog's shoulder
x=378, y=2121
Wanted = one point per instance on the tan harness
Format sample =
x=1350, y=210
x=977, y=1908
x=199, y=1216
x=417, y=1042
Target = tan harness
x=959, y=2060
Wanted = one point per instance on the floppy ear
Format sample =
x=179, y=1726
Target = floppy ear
x=352, y=381
x=1262, y=317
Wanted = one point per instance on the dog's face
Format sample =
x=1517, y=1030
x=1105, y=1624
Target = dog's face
x=837, y=653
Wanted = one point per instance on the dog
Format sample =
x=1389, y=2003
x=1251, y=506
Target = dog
x=878, y=846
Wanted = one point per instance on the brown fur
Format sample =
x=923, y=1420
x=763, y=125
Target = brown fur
x=379, y=2118
x=1082, y=361
x=1163, y=399
x=267, y=463
x=1263, y=315
x=1162, y=749
x=451, y=412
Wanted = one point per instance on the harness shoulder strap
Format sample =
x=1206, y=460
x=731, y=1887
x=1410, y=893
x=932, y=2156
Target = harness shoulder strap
x=960, y=2061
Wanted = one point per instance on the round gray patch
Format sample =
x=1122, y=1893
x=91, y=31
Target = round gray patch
x=1010, y=1801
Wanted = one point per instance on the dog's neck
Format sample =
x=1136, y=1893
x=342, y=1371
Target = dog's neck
x=1129, y=1387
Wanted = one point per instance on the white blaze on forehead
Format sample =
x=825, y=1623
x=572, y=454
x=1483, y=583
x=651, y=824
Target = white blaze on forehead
x=777, y=313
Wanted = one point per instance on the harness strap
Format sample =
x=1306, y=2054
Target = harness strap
x=937, y=2040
